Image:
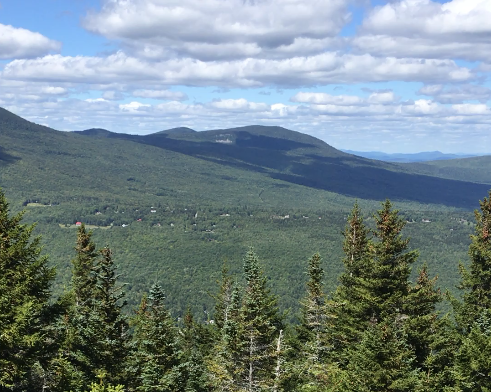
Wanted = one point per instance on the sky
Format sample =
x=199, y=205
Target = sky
x=366, y=75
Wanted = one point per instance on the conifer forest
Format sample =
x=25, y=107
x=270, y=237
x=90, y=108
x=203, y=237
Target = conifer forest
x=379, y=330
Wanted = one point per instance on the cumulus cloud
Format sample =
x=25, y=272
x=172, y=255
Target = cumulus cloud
x=239, y=105
x=428, y=29
x=216, y=29
x=22, y=43
x=456, y=94
x=325, y=68
x=165, y=95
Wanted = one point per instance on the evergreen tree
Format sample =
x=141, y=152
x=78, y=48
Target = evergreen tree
x=422, y=322
x=78, y=360
x=113, y=327
x=383, y=361
x=312, y=328
x=154, y=362
x=94, y=330
x=473, y=315
x=223, y=299
x=25, y=313
x=473, y=361
x=223, y=365
x=314, y=370
x=476, y=281
x=389, y=281
x=84, y=278
x=195, y=345
x=352, y=298
x=261, y=326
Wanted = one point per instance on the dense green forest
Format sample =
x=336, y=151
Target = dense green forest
x=267, y=187
x=379, y=330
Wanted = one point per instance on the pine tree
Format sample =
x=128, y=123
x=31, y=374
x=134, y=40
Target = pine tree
x=94, y=330
x=314, y=369
x=383, y=361
x=154, y=362
x=113, y=326
x=25, y=313
x=389, y=281
x=473, y=315
x=312, y=328
x=195, y=345
x=223, y=299
x=353, y=297
x=422, y=322
x=261, y=326
x=223, y=364
x=476, y=282
x=78, y=360
x=473, y=360
x=84, y=278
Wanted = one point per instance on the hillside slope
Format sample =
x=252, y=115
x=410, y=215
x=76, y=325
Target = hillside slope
x=295, y=158
x=476, y=169
x=174, y=205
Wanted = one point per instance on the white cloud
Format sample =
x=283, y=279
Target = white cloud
x=239, y=104
x=456, y=94
x=133, y=106
x=321, y=69
x=323, y=98
x=471, y=109
x=217, y=29
x=161, y=94
x=382, y=97
x=428, y=29
x=22, y=43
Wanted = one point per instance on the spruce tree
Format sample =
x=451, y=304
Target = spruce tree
x=473, y=315
x=25, y=313
x=476, y=281
x=261, y=326
x=422, y=319
x=382, y=361
x=314, y=370
x=353, y=296
x=195, y=344
x=223, y=365
x=154, y=361
x=113, y=326
x=389, y=280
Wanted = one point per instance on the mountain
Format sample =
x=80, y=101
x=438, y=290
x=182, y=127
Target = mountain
x=232, y=165
x=405, y=158
x=476, y=169
x=174, y=205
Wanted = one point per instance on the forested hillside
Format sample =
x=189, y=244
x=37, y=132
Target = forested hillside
x=188, y=201
x=378, y=331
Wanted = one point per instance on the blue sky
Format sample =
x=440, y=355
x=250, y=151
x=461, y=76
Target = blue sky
x=392, y=76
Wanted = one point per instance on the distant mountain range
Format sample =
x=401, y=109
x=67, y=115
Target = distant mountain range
x=246, y=165
x=406, y=158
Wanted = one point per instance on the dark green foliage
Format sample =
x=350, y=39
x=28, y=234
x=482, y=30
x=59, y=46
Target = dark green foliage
x=154, y=361
x=314, y=322
x=94, y=330
x=473, y=361
x=113, y=326
x=260, y=328
x=353, y=295
x=25, y=313
x=195, y=341
x=383, y=361
x=476, y=281
x=389, y=281
x=473, y=314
